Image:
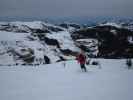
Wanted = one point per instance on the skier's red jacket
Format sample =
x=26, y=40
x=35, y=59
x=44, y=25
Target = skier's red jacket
x=81, y=58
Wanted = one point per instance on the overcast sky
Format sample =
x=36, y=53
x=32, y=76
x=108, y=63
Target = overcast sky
x=65, y=8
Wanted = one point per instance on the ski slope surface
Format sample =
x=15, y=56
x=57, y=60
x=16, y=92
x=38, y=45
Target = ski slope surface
x=66, y=81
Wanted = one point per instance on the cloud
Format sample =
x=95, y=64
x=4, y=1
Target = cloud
x=66, y=7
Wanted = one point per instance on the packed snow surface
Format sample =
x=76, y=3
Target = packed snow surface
x=65, y=81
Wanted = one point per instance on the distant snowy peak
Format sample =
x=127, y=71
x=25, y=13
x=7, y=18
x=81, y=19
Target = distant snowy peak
x=30, y=27
x=111, y=24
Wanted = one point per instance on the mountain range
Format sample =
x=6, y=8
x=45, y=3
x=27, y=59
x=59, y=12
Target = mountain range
x=40, y=42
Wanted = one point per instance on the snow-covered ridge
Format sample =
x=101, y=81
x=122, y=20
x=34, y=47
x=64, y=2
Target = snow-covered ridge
x=31, y=41
x=111, y=24
x=35, y=26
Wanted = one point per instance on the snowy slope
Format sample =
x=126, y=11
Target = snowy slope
x=18, y=41
x=19, y=36
x=64, y=39
x=56, y=82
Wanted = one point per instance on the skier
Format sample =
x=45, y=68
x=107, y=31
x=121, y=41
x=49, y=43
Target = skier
x=129, y=63
x=81, y=58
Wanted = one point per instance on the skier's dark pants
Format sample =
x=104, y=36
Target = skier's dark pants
x=83, y=67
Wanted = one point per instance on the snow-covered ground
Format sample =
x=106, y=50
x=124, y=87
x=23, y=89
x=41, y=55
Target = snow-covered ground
x=58, y=82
